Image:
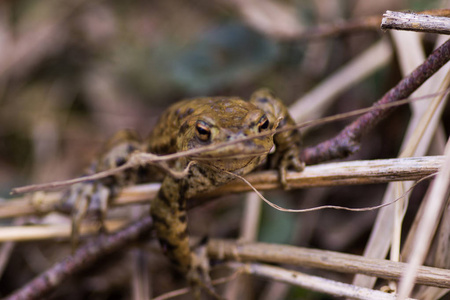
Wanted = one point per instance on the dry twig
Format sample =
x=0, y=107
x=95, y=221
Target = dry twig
x=415, y=22
x=322, y=259
x=313, y=283
x=339, y=173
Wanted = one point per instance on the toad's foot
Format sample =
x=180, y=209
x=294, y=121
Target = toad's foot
x=198, y=275
x=82, y=199
x=289, y=161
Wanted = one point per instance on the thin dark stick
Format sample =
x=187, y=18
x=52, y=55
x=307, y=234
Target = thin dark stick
x=348, y=140
x=85, y=255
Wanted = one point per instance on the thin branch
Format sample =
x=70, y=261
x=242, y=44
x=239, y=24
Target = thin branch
x=52, y=231
x=322, y=259
x=332, y=174
x=415, y=22
x=342, y=173
x=360, y=25
x=85, y=255
x=312, y=283
x=348, y=140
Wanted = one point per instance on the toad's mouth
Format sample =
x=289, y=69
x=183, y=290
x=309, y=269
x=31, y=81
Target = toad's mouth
x=238, y=166
x=206, y=156
x=247, y=149
x=236, y=162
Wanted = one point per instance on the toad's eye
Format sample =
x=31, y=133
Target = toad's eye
x=203, y=131
x=263, y=124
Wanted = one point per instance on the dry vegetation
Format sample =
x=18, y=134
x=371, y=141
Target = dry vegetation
x=74, y=72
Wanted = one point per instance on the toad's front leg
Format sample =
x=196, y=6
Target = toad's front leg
x=287, y=143
x=92, y=197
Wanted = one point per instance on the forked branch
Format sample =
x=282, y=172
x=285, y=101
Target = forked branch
x=348, y=140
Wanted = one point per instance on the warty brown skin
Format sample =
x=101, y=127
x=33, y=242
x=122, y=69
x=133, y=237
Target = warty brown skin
x=226, y=119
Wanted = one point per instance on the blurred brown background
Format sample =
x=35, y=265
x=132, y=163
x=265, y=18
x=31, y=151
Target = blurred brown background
x=74, y=72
